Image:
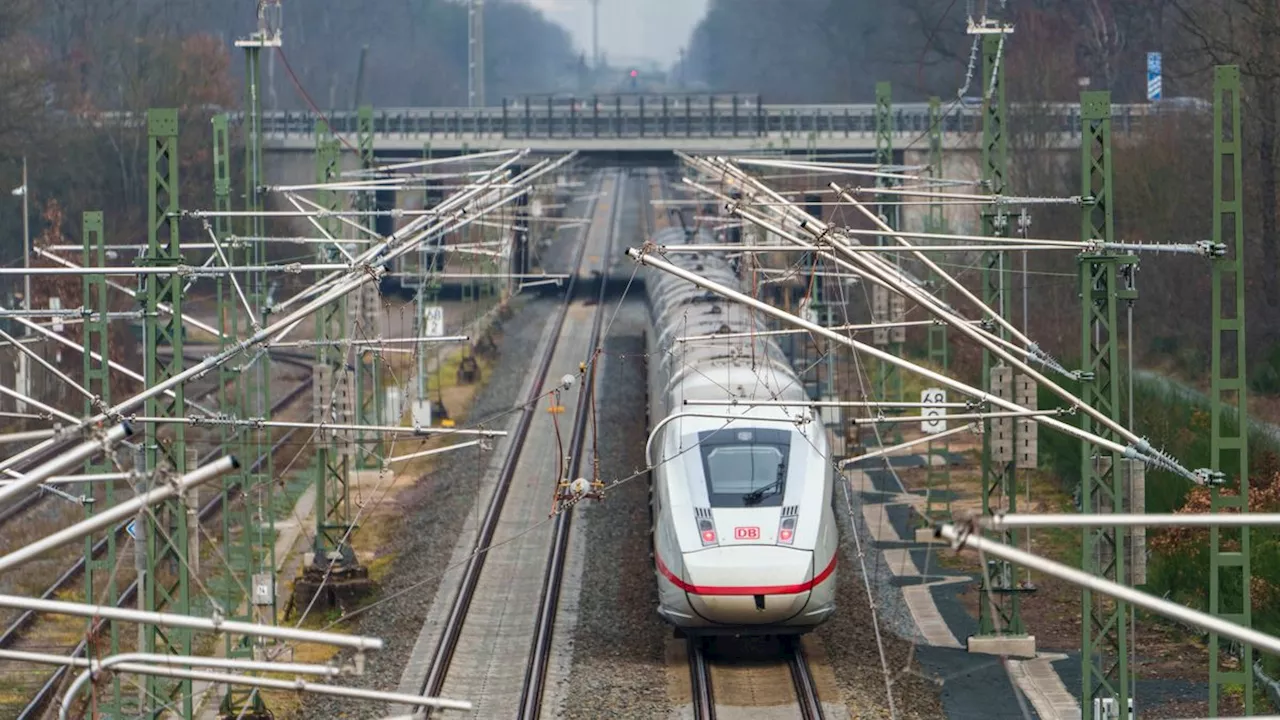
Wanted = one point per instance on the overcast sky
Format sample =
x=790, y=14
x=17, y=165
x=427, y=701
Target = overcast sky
x=629, y=29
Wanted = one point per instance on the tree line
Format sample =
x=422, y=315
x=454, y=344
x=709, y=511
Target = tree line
x=835, y=50
x=67, y=65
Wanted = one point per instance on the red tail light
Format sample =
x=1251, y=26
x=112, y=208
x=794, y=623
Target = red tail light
x=785, y=535
x=708, y=536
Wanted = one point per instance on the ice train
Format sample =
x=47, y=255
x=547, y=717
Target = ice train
x=743, y=532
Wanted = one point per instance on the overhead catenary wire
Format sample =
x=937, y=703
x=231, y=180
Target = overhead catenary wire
x=396, y=245
x=1128, y=451
x=132, y=293
x=893, y=276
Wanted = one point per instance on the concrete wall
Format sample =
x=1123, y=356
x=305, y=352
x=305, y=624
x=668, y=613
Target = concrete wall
x=967, y=165
x=297, y=168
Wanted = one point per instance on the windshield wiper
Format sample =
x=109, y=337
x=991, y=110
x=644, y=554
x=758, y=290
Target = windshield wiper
x=773, y=488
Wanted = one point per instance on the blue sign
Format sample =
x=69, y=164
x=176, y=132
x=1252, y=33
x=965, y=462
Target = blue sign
x=132, y=529
x=1155, y=89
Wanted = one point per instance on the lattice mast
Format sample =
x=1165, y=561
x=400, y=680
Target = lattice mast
x=999, y=611
x=260, y=491
x=938, y=475
x=335, y=567
x=100, y=583
x=1230, y=574
x=1106, y=281
x=241, y=545
x=364, y=307
x=887, y=307
x=166, y=581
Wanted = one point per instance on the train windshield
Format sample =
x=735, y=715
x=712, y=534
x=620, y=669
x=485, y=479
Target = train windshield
x=745, y=467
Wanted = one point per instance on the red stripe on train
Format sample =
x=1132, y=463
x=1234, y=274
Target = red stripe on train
x=745, y=589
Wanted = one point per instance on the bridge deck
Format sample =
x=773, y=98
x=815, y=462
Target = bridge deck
x=639, y=127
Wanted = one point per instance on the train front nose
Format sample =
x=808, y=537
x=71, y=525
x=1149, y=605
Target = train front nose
x=748, y=584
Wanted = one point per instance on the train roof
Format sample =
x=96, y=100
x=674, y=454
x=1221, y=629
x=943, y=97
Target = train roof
x=742, y=364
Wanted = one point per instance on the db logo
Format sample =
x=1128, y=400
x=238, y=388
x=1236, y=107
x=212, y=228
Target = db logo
x=746, y=533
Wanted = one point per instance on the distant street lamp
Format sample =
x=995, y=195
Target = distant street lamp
x=26, y=238
x=23, y=376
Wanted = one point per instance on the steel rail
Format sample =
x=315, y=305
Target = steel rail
x=33, y=709
x=802, y=678
x=704, y=701
x=441, y=659
x=535, y=674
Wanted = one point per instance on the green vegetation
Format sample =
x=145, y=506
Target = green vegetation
x=1178, y=568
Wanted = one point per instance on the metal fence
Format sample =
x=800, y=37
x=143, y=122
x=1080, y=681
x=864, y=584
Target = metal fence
x=641, y=116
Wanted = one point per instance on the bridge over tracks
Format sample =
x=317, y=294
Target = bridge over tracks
x=621, y=125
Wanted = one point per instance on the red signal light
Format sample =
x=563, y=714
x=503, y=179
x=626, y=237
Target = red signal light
x=635, y=73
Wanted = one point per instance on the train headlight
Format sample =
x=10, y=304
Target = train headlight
x=707, y=531
x=787, y=533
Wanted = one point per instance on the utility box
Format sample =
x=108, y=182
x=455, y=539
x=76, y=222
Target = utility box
x=1135, y=481
x=264, y=589
x=1109, y=709
x=393, y=408
x=422, y=413
x=1002, y=428
x=897, y=314
x=879, y=314
x=1027, y=427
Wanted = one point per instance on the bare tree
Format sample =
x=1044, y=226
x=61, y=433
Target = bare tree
x=21, y=67
x=1244, y=33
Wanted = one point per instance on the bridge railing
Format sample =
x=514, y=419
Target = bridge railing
x=634, y=117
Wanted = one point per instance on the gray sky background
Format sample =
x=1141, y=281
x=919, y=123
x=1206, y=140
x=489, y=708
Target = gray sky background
x=629, y=29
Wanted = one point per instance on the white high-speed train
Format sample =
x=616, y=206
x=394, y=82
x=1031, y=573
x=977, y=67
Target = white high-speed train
x=744, y=536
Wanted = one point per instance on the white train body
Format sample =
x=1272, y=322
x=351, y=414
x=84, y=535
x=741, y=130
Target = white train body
x=744, y=537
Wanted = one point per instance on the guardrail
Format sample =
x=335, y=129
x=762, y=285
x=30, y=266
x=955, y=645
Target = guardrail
x=665, y=117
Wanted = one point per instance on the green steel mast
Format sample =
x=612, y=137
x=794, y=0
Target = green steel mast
x=368, y=366
x=1106, y=280
x=1229, y=567
x=889, y=306
x=240, y=544
x=97, y=380
x=999, y=597
x=335, y=564
x=166, y=582
x=938, y=474
x=259, y=493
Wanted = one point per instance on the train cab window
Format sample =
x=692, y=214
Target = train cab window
x=745, y=467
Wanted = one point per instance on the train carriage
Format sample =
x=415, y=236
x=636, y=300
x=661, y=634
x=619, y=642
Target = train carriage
x=744, y=536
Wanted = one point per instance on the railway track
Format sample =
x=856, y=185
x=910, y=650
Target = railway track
x=20, y=627
x=504, y=605
x=45, y=507
x=777, y=684
x=540, y=653
x=756, y=679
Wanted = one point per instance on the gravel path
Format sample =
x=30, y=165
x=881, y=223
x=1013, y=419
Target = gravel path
x=434, y=514
x=618, y=661
x=849, y=638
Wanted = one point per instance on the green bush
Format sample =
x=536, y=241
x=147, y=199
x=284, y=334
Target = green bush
x=1264, y=377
